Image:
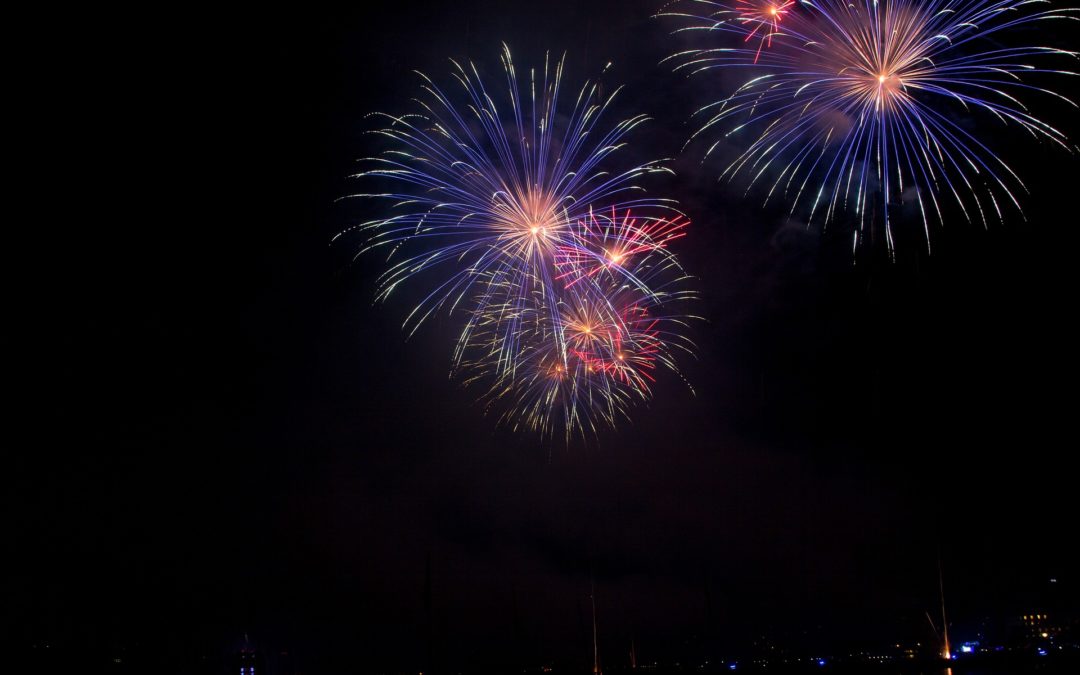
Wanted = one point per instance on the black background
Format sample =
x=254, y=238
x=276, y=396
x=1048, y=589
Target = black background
x=216, y=432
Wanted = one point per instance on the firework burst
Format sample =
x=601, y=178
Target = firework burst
x=581, y=367
x=489, y=188
x=617, y=244
x=750, y=19
x=581, y=357
x=761, y=19
x=507, y=206
x=866, y=105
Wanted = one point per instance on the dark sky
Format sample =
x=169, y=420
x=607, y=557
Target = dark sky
x=216, y=432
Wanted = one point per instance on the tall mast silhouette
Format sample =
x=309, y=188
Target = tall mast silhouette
x=595, y=642
x=944, y=622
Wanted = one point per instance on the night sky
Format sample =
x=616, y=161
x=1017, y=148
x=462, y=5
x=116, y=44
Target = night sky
x=217, y=432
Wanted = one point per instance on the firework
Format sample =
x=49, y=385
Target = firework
x=582, y=356
x=868, y=105
x=507, y=206
x=582, y=366
x=488, y=189
x=749, y=19
x=761, y=19
x=620, y=244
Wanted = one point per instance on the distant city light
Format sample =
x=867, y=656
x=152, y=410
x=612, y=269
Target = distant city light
x=821, y=662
